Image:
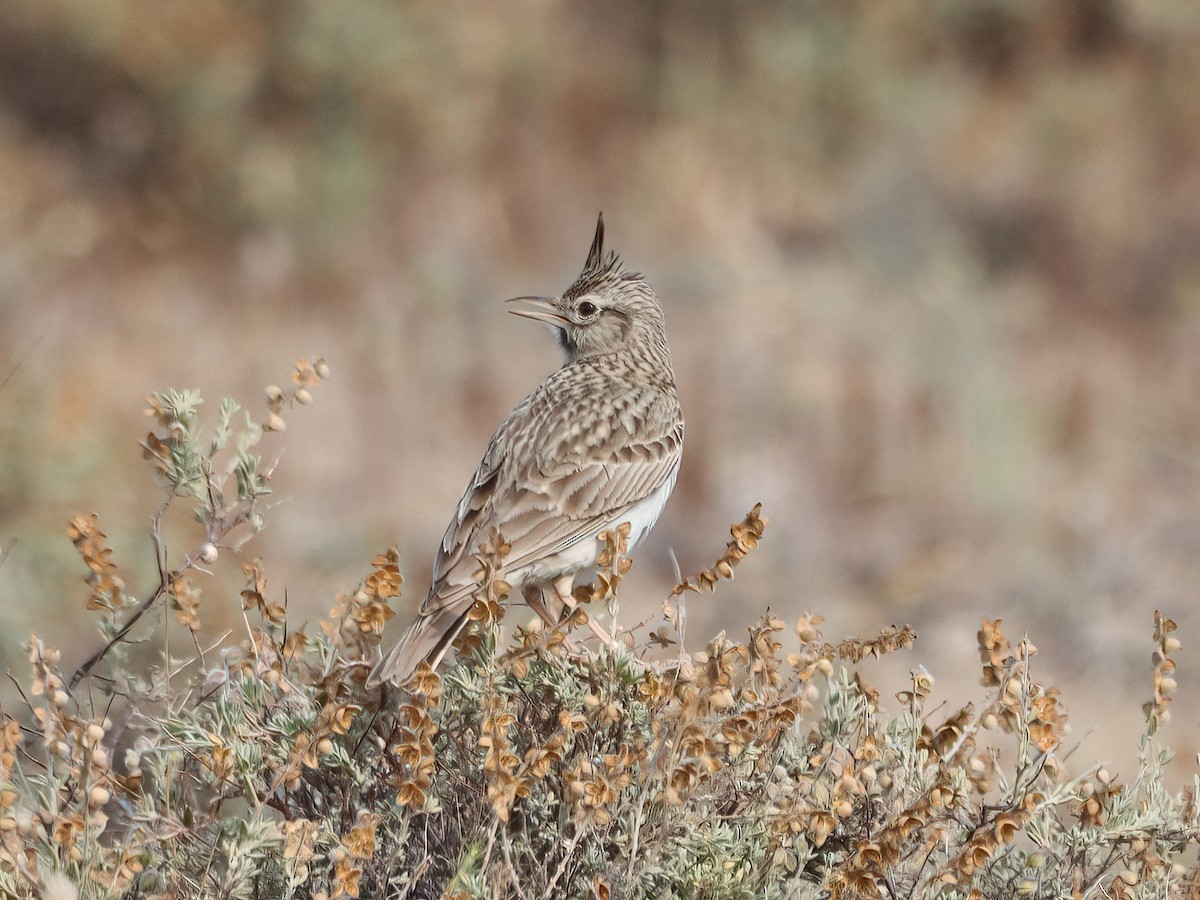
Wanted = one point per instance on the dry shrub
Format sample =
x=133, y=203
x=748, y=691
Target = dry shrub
x=538, y=767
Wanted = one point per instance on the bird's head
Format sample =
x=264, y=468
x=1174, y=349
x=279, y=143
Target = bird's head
x=605, y=310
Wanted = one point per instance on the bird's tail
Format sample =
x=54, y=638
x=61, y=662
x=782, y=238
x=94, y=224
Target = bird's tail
x=427, y=639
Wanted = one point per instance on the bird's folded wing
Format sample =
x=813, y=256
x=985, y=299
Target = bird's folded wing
x=544, y=506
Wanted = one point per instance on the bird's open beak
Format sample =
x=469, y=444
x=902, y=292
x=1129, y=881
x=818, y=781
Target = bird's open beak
x=541, y=309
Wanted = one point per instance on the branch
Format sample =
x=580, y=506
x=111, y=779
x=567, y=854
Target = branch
x=95, y=658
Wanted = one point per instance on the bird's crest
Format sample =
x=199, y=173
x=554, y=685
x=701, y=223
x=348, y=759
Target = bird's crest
x=599, y=266
x=595, y=258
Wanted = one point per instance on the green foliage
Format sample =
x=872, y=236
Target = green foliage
x=534, y=767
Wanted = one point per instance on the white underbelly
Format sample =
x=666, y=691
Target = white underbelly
x=580, y=557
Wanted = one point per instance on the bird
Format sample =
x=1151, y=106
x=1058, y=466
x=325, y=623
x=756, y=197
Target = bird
x=596, y=445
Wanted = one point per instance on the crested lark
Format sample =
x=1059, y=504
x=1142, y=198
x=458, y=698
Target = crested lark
x=596, y=445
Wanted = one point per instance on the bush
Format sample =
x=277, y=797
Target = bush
x=536, y=767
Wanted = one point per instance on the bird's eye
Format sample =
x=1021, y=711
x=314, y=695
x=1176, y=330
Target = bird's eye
x=588, y=308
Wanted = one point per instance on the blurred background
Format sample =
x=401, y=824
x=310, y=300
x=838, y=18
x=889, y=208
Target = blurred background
x=931, y=274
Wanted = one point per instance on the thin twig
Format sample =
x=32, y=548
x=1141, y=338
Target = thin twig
x=143, y=608
x=28, y=353
x=569, y=850
x=95, y=658
x=512, y=870
x=491, y=842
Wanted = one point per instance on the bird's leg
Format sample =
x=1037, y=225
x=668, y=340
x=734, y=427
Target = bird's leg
x=536, y=600
x=562, y=589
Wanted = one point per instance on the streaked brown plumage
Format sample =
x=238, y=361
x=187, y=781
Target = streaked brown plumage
x=595, y=445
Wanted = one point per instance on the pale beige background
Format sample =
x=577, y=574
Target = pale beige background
x=931, y=273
